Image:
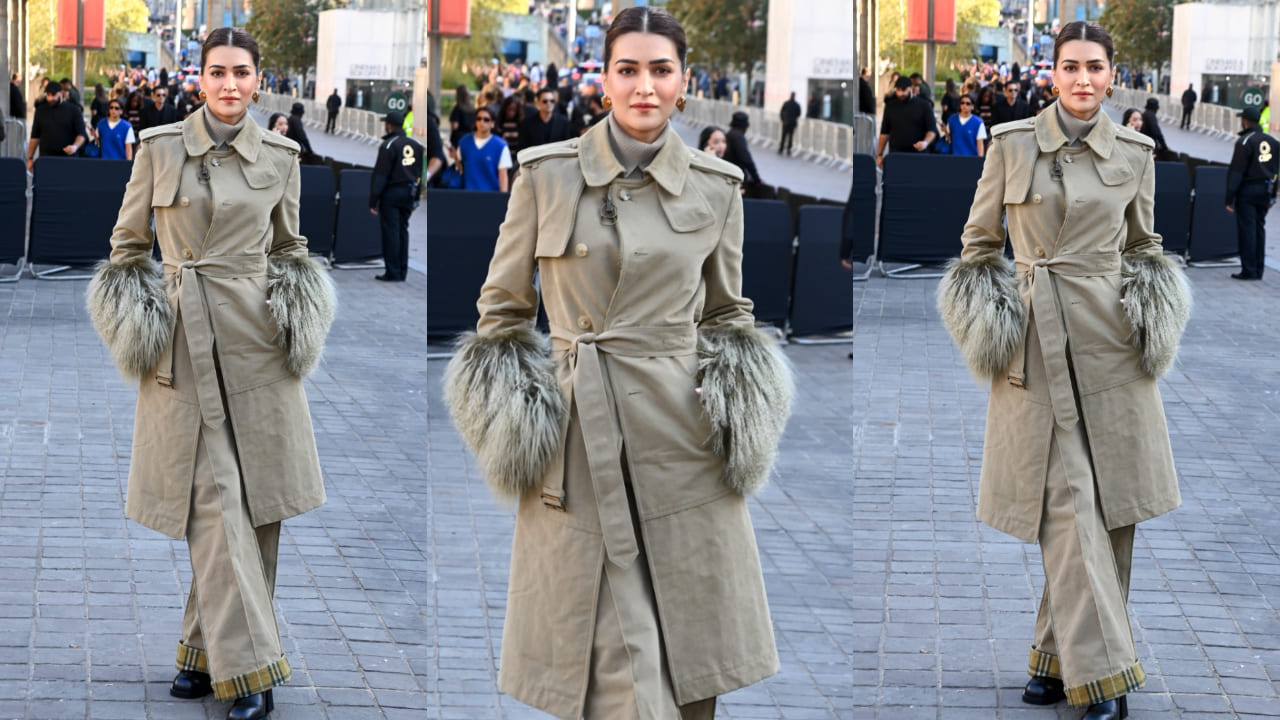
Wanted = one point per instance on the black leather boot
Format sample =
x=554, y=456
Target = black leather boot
x=190, y=685
x=1042, y=690
x=1110, y=710
x=253, y=707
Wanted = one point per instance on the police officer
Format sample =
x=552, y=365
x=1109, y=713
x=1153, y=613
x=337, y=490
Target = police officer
x=1251, y=191
x=394, y=194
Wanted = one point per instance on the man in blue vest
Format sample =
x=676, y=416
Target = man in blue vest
x=397, y=183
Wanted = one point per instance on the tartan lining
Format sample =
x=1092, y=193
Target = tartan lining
x=1107, y=688
x=1043, y=664
x=254, y=681
x=192, y=659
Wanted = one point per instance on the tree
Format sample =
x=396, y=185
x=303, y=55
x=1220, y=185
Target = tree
x=1142, y=30
x=122, y=17
x=286, y=32
x=724, y=34
x=909, y=57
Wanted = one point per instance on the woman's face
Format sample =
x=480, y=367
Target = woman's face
x=1135, y=121
x=644, y=80
x=228, y=78
x=716, y=144
x=281, y=126
x=1082, y=74
x=484, y=124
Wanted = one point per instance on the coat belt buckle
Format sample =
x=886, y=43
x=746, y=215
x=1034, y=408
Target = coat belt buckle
x=555, y=502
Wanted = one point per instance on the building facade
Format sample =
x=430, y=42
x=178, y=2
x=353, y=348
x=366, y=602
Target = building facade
x=1223, y=49
x=810, y=53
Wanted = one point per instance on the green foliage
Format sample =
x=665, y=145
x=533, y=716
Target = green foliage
x=723, y=34
x=286, y=31
x=1142, y=30
x=909, y=57
x=122, y=17
x=483, y=43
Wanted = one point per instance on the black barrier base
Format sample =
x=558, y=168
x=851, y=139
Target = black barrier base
x=925, y=204
x=461, y=235
x=767, y=259
x=1213, y=229
x=1173, y=206
x=858, y=243
x=75, y=203
x=359, y=236
x=822, y=301
x=317, y=210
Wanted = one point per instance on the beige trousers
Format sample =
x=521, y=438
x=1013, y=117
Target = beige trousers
x=229, y=626
x=1083, y=634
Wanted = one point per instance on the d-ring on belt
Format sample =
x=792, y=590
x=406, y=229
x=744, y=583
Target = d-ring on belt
x=586, y=387
x=1048, y=314
x=195, y=322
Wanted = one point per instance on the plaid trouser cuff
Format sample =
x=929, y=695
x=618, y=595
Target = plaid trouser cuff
x=1107, y=688
x=1042, y=664
x=254, y=681
x=192, y=659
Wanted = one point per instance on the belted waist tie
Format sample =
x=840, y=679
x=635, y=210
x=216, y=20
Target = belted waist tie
x=195, y=321
x=1048, y=314
x=599, y=428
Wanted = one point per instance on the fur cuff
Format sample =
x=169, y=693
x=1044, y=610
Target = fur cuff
x=129, y=306
x=1157, y=301
x=981, y=308
x=503, y=398
x=302, y=303
x=746, y=392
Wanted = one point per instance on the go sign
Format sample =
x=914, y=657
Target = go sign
x=397, y=102
x=1253, y=98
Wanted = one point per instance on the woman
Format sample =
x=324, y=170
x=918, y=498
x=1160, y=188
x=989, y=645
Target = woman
x=114, y=134
x=1077, y=450
x=484, y=156
x=461, y=117
x=510, y=121
x=278, y=123
x=223, y=449
x=98, y=108
x=712, y=140
x=965, y=131
x=950, y=101
x=1132, y=119
x=298, y=132
x=985, y=105
x=623, y=505
x=133, y=108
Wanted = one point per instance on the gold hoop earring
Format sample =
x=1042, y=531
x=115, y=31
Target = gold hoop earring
x=1055, y=91
x=607, y=102
x=1110, y=90
x=680, y=103
x=255, y=96
x=202, y=96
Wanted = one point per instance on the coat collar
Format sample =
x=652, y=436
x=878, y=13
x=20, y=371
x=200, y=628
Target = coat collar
x=599, y=166
x=1101, y=139
x=196, y=137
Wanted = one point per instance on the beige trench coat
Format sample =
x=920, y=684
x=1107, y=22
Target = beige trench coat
x=625, y=302
x=223, y=363
x=1069, y=240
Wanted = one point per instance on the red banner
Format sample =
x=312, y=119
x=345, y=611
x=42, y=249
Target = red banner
x=944, y=21
x=455, y=17
x=67, y=35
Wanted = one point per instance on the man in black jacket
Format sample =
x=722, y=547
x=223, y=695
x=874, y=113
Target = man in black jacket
x=394, y=192
x=58, y=127
x=1151, y=128
x=332, y=104
x=548, y=125
x=790, y=116
x=1012, y=107
x=908, y=124
x=1251, y=191
x=738, y=152
x=1188, y=104
x=159, y=111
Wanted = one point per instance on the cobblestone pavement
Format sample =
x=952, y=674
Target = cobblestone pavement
x=91, y=604
x=944, y=608
x=802, y=522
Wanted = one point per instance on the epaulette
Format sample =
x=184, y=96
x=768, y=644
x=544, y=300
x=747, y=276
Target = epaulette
x=152, y=133
x=532, y=156
x=1135, y=137
x=1013, y=126
x=272, y=138
x=711, y=163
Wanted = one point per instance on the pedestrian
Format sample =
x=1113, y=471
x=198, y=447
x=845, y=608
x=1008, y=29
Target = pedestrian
x=159, y=112
x=484, y=157
x=1077, y=451
x=17, y=105
x=1011, y=107
x=57, y=128
x=219, y=340
x=1251, y=191
x=712, y=140
x=548, y=125
x=298, y=133
x=790, y=116
x=966, y=132
x=866, y=98
x=462, y=116
x=907, y=125
x=332, y=105
x=98, y=108
x=278, y=123
x=393, y=194
x=1151, y=128
x=920, y=88
x=1188, y=105
x=985, y=106
x=114, y=134
x=510, y=123
x=1132, y=119
x=133, y=110
x=950, y=101
x=435, y=157
x=738, y=151
x=70, y=93
x=624, y=507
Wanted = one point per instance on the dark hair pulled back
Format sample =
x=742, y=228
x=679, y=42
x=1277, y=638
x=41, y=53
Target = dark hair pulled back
x=1087, y=31
x=230, y=37
x=645, y=19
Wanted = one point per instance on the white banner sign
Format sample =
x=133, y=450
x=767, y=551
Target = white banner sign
x=833, y=67
x=368, y=71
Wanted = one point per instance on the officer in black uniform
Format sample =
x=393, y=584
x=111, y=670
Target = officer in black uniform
x=1251, y=191
x=397, y=182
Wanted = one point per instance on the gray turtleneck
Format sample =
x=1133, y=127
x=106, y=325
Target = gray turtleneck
x=221, y=132
x=634, y=155
x=1073, y=127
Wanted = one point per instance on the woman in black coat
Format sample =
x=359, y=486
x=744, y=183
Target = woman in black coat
x=298, y=133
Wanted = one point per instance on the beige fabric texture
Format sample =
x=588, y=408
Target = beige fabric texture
x=625, y=302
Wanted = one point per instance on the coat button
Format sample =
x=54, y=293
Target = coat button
x=1036, y=198
x=1039, y=252
x=187, y=253
x=1067, y=159
x=584, y=323
x=624, y=194
x=580, y=249
x=184, y=202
